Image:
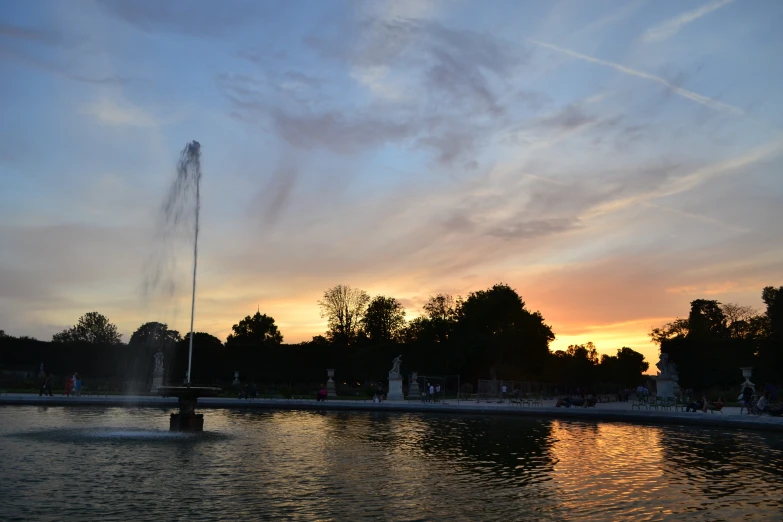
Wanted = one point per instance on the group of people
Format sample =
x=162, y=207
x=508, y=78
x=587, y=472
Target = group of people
x=758, y=406
x=431, y=393
x=248, y=392
x=73, y=384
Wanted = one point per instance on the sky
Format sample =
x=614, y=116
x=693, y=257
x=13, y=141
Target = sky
x=610, y=160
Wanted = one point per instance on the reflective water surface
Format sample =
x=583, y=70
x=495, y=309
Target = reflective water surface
x=118, y=464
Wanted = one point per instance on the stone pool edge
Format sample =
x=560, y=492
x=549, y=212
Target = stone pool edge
x=584, y=414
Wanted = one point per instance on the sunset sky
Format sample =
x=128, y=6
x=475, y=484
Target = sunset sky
x=610, y=160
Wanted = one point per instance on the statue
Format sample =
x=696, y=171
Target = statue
x=395, y=371
x=395, y=381
x=663, y=366
x=158, y=361
x=666, y=383
x=157, y=372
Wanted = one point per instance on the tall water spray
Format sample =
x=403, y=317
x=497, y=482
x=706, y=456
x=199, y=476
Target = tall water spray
x=176, y=209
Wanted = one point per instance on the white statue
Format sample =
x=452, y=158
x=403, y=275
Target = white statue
x=158, y=361
x=663, y=366
x=395, y=371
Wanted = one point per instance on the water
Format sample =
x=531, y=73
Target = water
x=179, y=217
x=117, y=464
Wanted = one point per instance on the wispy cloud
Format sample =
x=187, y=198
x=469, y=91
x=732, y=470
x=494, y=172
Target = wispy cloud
x=685, y=183
x=672, y=26
x=685, y=93
x=118, y=113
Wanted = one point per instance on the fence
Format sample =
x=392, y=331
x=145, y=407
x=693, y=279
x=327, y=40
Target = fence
x=492, y=390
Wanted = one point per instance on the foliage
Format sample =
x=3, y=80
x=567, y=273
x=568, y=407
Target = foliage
x=716, y=339
x=155, y=335
x=384, y=319
x=92, y=328
x=259, y=330
x=497, y=332
x=343, y=307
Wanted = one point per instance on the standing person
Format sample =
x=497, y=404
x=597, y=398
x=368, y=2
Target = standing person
x=437, y=393
x=41, y=382
x=68, y=383
x=78, y=384
x=431, y=389
x=47, y=388
x=503, y=391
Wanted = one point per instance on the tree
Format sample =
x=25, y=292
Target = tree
x=707, y=320
x=771, y=349
x=441, y=308
x=258, y=330
x=498, y=331
x=92, y=328
x=344, y=309
x=154, y=334
x=677, y=328
x=384, y=319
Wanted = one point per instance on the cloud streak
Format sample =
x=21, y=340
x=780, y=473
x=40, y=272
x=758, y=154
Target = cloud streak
x=672, y=26
x=685, y=93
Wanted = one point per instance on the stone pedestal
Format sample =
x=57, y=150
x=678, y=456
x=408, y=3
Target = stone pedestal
x=665, y=388
x=181, y=422
x=747, y=372
x=157, y=381
x=330, y=389
x=413, y=386
x=236, y=378
x=395, y=389
x=187, y=419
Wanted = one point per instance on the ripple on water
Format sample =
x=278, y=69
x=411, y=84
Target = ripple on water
x=340, y=466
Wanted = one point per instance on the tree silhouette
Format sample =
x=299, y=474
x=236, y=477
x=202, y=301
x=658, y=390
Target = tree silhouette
x=384, y=319
x=500, y=333
x=258, y=330
x=343, y=307
x=92, y=328
x=154, y=334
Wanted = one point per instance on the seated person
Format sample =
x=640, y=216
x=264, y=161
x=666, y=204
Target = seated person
x=517, y=394
x=564, y=401
x=695, y=406
x=763, y=404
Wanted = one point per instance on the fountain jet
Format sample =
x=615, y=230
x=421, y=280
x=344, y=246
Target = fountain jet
x=186, y=186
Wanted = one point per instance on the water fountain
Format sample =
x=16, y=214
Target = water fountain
x=187, y=185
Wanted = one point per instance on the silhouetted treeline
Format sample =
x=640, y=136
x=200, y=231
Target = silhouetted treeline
x=715, y=340
x=488, y=335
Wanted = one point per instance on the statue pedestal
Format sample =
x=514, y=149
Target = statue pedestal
x=395, y=389
x=330, y=389
x=413, y=386
x=747, y=372
x=157, y=381
x=665, y=388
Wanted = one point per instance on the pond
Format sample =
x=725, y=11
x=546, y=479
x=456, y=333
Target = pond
x=122, y=464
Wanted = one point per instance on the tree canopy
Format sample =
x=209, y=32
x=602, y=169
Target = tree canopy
x=92, y=328
x=154, y=334
x=343, y=307
x=259, y=330
x=384, y=319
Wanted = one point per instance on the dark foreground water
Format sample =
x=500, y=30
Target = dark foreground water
x=116, y=464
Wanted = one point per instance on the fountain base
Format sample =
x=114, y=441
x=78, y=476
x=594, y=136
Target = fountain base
x=187, y=397
x=182, y=422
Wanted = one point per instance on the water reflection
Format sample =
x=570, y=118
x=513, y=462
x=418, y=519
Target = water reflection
x=340, y=466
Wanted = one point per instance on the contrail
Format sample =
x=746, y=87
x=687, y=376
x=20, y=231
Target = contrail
x=673, y=26
x=685, y=93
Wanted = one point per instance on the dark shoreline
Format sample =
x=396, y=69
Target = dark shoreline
x=605, y=414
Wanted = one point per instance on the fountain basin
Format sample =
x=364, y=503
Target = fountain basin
x=187, y=397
